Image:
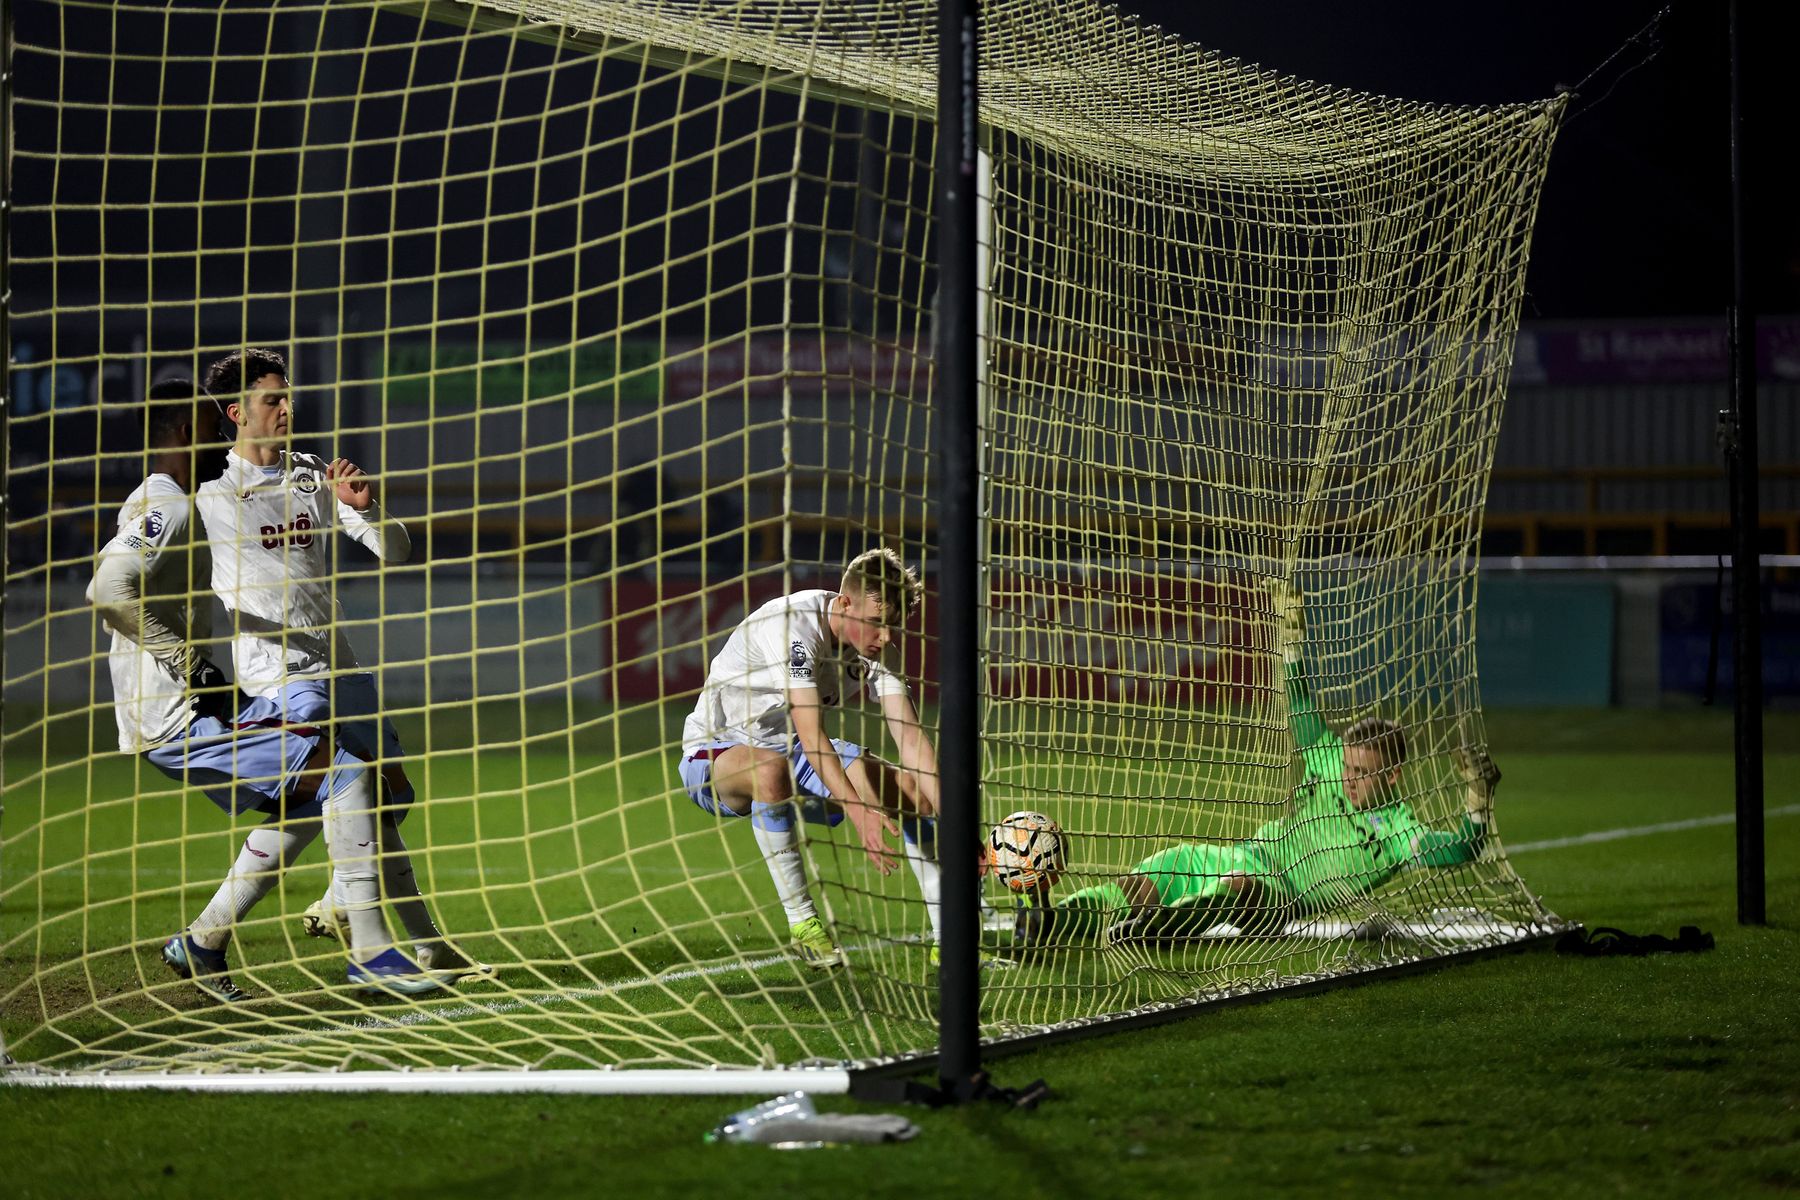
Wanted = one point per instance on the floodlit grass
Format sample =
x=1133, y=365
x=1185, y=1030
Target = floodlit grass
x=1524, y=1074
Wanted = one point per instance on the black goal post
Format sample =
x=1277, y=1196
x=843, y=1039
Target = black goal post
x=959, y=551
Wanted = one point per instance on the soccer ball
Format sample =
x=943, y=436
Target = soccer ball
x=1027, y=851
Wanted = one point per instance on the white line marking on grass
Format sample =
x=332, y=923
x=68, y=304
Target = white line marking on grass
x=1613, y=835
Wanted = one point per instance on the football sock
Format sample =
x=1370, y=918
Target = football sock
x=394, y=805
x=267, y=850
x=402, y=886
x=1089, y=910
x=352, y=838
x=778, y=837
x=920, y=834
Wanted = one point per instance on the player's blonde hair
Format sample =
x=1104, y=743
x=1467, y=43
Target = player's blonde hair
x=885, y=574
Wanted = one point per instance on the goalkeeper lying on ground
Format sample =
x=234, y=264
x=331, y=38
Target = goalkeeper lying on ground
x=1347, y=834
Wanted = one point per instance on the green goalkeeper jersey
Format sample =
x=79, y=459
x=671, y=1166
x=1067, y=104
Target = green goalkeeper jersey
x=1327, y=851
x=1322, y=854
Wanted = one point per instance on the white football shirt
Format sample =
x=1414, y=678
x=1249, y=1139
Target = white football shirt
x=271, y=558
x=785, y=643
x=163, y=567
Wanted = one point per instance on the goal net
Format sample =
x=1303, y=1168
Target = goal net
x=629, y=310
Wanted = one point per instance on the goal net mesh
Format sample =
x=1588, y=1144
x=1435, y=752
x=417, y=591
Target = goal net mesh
x=629, y=310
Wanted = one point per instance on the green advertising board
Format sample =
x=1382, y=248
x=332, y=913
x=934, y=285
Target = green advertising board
x=1545, y=642
x=461, y=376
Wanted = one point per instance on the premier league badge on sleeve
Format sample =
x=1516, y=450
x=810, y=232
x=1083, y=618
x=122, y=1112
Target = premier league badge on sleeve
x=798, y=667
x=153, y=523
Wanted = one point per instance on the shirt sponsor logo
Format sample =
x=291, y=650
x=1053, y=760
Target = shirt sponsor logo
x=299, y=533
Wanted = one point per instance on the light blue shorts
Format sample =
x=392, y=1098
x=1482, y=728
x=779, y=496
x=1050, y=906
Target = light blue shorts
x=250, y=763
x=696, y=777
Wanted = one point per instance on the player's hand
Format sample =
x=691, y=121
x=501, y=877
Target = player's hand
x=1290, y=616
x=873, y=828
x=350, y=483
x=213, y=694
x=1480, y=777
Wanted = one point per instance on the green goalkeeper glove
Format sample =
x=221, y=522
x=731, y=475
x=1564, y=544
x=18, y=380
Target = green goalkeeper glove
x=1290, y=617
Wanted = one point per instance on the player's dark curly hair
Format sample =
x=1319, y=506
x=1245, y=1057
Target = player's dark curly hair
x=165, y=413
x=1386, y=736
x=226, y=377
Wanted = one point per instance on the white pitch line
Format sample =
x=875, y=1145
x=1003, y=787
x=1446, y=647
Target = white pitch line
x=1613, y=835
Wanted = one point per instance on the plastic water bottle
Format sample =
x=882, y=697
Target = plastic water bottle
x=740, y=1126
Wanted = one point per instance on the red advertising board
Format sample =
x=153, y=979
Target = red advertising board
x=1108, y=636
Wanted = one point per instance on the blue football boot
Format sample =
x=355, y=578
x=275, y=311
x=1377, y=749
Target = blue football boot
x=394, y=974
x=207, y=968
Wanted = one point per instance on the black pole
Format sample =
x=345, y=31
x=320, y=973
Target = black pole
x=959, y=552
x=6, y=346
x=1746, y=523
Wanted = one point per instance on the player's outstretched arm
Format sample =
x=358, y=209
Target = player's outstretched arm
x=1308, y=726
x=361, y=515
x=864, y=813
x=918, y=757
x=1447, y=848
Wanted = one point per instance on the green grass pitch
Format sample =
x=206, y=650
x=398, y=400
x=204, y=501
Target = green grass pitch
x=1524, y=1074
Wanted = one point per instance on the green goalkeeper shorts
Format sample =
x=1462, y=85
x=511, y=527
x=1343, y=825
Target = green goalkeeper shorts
x=1196, y=871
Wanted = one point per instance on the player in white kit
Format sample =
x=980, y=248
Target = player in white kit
x=270, y=518
x=756, y=739
x=174, y=706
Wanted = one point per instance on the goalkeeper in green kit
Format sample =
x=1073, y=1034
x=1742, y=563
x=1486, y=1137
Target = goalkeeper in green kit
x=1347, y=834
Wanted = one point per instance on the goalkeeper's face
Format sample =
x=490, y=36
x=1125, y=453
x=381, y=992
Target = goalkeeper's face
x=861, y=621
x=1368, y=780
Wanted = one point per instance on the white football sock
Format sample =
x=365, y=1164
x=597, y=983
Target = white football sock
x=265, y=853
x=920, y=840
x=402, y=886
x=352, y=838
x=778, y=837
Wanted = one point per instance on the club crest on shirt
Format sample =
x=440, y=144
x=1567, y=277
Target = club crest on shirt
x=153, y=523
x=306, y=483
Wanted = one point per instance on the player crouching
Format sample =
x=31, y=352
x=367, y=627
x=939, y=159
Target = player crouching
x=756, y=740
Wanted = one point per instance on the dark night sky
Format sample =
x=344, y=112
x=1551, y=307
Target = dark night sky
x=1635, y=218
